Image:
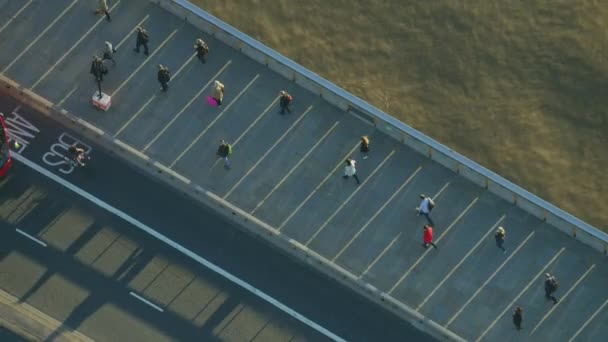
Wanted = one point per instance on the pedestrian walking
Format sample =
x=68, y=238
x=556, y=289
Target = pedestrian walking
x=518, y=317
x=499, y=236
x=142, y=40
x=224, y=151
x=364, y=148
x=285, y=101
x=201, y=50
x=108, y=52
x=350, y=170
x=550, y=287
x=427, y=237
x=217, y=92
x=102, y=7
x=163, y=77
x=425, y=207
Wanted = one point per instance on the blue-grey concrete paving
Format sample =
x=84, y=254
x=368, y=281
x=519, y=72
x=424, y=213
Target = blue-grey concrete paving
x=286, y=170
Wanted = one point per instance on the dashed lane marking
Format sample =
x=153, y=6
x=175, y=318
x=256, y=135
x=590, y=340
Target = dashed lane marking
x=144, y=300
x=49, y=70
x=314, y=191
x=455, y=268
x=369, y=267
x=268, y=151
x=181, y=111
x=512, y=303
x=198, y=137
x=295, y=167
x=144, y=62
x=351, y=196
x=447, y=230
x=562, y=299
x=30, y=237
x=40, y=36
x=8, y=22
x=378, y=212
x=204, y=262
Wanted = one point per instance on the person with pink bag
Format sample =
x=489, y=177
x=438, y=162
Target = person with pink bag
x=217, y=94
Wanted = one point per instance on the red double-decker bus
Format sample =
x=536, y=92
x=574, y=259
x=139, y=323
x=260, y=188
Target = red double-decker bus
x=5, y=151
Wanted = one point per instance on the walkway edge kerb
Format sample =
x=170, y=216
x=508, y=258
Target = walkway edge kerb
x=440, y=153
x=251, y=224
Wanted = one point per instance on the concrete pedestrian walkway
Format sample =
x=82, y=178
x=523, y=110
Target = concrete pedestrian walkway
x=286, y=171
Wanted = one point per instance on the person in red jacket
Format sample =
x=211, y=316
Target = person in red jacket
x=427, y=237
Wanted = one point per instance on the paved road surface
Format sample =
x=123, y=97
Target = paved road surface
x=93, y=260
x=287, y=171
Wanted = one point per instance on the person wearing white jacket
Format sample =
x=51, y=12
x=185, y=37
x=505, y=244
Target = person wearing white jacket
x=351, y=170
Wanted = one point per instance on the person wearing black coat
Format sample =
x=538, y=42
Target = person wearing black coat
x=163, y=77
x=142, y=39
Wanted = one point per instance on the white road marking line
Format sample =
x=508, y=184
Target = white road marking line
x=380, y=255
x=295, y=167
x=455, y=268
x=314, y=191
x=67, y=96
x=386, y=203
x=588, y=321
x=250, y=126
x=49, y=70
x=176, y=116
x=8, y=22
x=39, y=36
x=204, y=262
x=489, y=280
x=144, y=62
x=359, y=187
x=198, y=137
x=268, y=151
x=409, y=270
x=562, y=299
x=146, y=301
x=445, y=186
x=30, y=237
x=141, y=22
x=510, y=305
x=134, y=116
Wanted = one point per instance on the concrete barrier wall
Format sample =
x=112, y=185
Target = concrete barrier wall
x=384, y=122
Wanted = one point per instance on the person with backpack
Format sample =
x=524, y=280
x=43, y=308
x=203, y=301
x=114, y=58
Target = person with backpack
x=426, y=205
x=550, y=287
x=202, y=49
x=224, y=151
x=142, y=39
x=427, y=237
x=499, y=236
x=284, y=101
x=163, y=77
x=364, y=147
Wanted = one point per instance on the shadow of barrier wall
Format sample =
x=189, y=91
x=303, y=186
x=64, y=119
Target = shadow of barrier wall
x=558, y=218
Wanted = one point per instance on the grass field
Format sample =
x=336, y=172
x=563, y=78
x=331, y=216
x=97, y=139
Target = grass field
x=520, y=87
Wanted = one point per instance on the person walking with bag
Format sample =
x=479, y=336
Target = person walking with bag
x=350, y=170
x=201, y=50
x=224, y=151
x=364, y=148
x=102, y=7
x=285, y=101
x=424, y=208
x=108, y=52
x=217, y=92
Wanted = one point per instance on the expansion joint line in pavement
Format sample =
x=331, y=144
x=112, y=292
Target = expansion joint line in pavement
x=13, y=17
x=49, y=70
x=314, y=191
x=521, y=293
x=145, y=105
x=200, y=135
x=39, y=36
x=268, y=151
x=386, y=249
x=117, y=47
x=478, y=291
x=447, y=230
x=145, y=62
x=455, y=268
x=588, y=321
x=295, y=167
x=351, y=196
x=250, y=126
x=378, y=212
x=181, y=111
x=563, y=298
